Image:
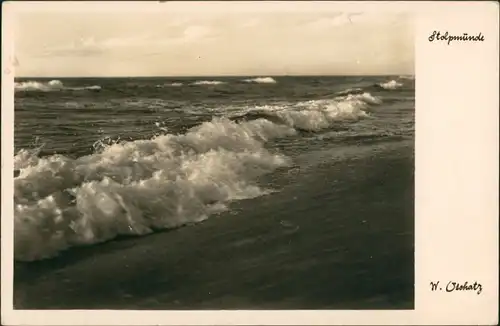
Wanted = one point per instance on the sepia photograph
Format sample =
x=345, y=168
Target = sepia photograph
x=249, y=163
x=187, y=160
x=244, y=162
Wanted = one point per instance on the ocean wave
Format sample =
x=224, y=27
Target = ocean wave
x=208, y=82
x=93, y=87
x=170, y=180
x=314, y=115
x=134, y=188
x=261, y=80
x=348, y=91
x=89, y=88
x=364, y=97
x=321, y=114
x=53, y=85
x=391, y=85
x=39, y=86
x=169, y=85
x=344, y=136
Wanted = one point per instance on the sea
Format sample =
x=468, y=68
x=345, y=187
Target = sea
x=267, y=192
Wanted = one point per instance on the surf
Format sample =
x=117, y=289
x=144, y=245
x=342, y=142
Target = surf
x=167, y=181
x=50, y=86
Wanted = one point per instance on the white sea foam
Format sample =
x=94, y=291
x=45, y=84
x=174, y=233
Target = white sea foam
x=208, y=82
x=261, y=80
x=93, y=87
x=365, y=97
x=170, y=85
x=391, y=85
x=315, y=115
x=409, y=77
x=320, y=114
x=90, y=88
x=136, y=187
x=39, y=86
x=53, y=85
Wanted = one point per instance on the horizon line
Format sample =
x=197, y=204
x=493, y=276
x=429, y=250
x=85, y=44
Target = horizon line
x=224, y=76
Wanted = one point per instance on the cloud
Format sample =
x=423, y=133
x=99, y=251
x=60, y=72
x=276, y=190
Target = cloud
x=334, y=20
x=246, y=43
x=90, y=46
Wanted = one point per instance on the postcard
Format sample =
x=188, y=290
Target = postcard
x=249, y=162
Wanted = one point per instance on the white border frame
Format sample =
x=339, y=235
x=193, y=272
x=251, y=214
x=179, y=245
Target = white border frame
x=457, y=112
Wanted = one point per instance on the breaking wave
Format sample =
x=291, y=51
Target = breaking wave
x=359, y=98
x=90, y=88
x=351, y=91
x=53, y=85
x=39, y=86
x=170, y=180
x=208, y=82
x=261, y=80
x=314, y=115
x=391, y=85
x=133, y=188
x=169, y=85
x=93, y=87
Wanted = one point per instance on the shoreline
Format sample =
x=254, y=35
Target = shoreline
x=247, y=256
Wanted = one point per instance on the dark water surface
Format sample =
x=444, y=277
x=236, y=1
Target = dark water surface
x=215, y=193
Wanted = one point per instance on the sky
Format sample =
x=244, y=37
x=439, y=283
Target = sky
x=179, y=39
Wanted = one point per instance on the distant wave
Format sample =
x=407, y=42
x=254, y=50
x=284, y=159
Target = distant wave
x=90, y=88
x=53, y=85
x=314, y=115
x=170, y=180
x=409, y=77
x=93, y=87
x=391, y=85
x=169, y=85
x=39, y=86
x=351, y=91
x=261, y=80
x=364, y=97
x=208, y=82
